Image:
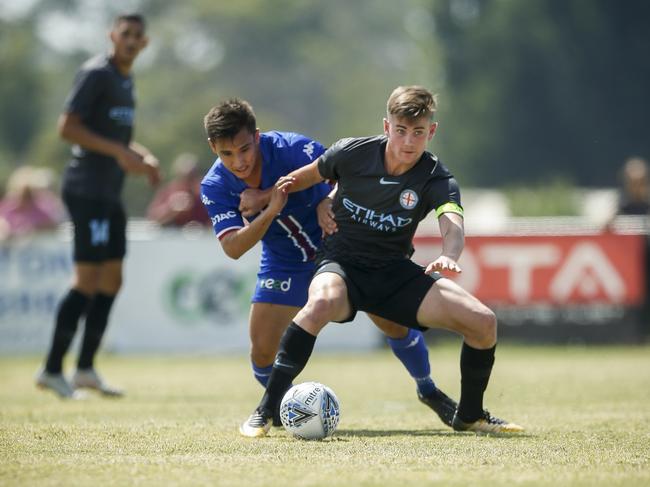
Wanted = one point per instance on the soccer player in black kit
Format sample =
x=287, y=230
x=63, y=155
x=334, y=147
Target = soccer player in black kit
x=386, y=186
x=98, y=121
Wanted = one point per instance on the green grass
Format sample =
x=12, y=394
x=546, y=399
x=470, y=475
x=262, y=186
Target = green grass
x=586, y=411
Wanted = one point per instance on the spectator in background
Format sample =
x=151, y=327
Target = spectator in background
x=29, y=204
x=635, y=199
x=178, y=203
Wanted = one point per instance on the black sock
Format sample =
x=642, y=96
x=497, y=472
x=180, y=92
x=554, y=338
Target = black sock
x=475, y=369
x=70, y=310
x=96, y=320
x=294, y=352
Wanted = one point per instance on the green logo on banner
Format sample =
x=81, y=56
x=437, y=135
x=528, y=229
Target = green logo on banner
x=219, y=297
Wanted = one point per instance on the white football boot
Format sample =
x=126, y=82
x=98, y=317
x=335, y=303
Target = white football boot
x=56, y=383
x=90, y=379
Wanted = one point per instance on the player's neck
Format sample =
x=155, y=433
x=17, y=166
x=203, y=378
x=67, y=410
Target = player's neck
x=394, y=166
x=124, y=67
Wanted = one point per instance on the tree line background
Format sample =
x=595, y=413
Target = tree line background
x=531, y=93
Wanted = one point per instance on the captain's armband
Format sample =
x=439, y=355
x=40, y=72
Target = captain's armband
x=449, y=207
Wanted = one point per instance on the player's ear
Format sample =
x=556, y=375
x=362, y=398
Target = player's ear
x=212, y=145
x=432, y=129
x=144, y=42
x=257, y=136
x=386, y=126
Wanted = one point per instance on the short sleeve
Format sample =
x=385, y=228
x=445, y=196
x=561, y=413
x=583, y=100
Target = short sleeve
x=222, y=207
x=329, y=163
x=87, y=87
x=304, y=151
x=446, y=197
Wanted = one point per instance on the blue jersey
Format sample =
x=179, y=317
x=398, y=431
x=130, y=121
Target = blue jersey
x=294, y=236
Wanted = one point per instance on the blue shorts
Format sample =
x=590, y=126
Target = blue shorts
x=283, y=287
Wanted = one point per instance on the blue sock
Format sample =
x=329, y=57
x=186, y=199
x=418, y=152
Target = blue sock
x=262, y=374
x=412, y=352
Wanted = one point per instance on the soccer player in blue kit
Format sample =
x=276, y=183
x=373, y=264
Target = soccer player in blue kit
x=245, y=206
x=386, y=185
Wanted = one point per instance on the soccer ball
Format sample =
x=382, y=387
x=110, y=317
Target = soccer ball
x=310, y=411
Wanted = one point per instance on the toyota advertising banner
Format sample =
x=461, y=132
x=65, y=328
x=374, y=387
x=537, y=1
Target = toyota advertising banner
x=553, y=287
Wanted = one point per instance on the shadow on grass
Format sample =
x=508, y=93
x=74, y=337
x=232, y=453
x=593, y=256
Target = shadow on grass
x=375, y=433
x=344, y=434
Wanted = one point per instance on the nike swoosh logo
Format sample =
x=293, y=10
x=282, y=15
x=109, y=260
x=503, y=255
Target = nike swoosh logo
x=282, y=365
x=383, y=181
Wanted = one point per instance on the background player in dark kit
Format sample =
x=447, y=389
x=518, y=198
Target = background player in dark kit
x=241, y=184
x=386, y=186
x=98, y=121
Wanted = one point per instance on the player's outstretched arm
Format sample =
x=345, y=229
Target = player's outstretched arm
x=453, y=241
x=303, y=178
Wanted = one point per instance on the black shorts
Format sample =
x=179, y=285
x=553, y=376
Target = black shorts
x=394, y=292
x=99, y=229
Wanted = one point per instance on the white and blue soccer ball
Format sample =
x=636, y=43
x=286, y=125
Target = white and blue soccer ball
x=310, y=411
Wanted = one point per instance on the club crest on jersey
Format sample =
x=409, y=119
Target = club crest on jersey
x=408, y=199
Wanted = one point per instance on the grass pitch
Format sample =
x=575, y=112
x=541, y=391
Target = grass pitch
x=586, y=411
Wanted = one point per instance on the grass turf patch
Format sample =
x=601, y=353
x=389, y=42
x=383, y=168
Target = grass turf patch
x=585, y=409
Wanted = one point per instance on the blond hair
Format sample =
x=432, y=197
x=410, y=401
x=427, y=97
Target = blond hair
x=411, y=102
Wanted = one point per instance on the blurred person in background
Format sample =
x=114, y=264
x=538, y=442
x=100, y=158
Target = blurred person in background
x=178, y=203
x=634, y=194
x=98, y=120
x=635, y=199
x=29, y=205
x=240, y=195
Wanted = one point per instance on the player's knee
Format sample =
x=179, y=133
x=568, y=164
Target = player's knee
x=487, y=326
x=322, y=308
x=110, y=280
x=119, y=282
x=113, y=286
x=86, y=286
x=86, y=283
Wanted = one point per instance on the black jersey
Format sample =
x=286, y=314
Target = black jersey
x=103, y=98
x=376, y=213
